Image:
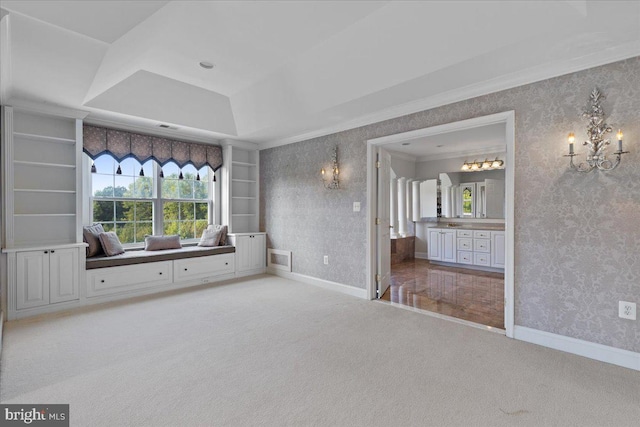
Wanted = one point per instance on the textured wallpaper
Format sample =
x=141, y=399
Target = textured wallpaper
x=577, y=242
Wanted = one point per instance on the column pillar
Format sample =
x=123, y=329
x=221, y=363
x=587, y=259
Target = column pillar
x=393, y=213
x=402, y=207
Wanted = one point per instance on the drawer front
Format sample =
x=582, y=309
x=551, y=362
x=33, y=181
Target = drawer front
x=481, y=234
x=113, y=280
x=481, y=245
x=465, y=257
x=465, y=244
x=197, y=268
x=465, y=233
x=481, y=259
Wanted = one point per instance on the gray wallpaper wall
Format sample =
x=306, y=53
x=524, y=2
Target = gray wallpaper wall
x=577, y=242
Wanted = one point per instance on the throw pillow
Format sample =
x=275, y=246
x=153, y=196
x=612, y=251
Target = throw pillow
x=111, y=244
x=223, y=232
x=210, y=238
x=158, y=243
x=91, y=236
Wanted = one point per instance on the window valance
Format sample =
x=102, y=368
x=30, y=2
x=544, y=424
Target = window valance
x=121, y=145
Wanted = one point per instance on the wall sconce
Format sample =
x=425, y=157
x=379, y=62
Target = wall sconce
x=487, y=165
x=332, y=183
x=596, y=130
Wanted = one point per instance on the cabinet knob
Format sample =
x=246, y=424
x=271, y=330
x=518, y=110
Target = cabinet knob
x=185, y=269
x=226, y=263
x=53, y=252
x=46, y=252
x=160, y=273
x=102, y=281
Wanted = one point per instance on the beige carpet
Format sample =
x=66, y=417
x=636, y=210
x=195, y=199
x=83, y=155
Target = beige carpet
x=274, y=352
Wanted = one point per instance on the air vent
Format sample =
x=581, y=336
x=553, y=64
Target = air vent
x=163, y=126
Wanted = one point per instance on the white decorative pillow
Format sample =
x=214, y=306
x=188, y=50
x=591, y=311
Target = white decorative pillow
x=158, y=243
x=111, y=244
x=210, y=238
x=223, y=235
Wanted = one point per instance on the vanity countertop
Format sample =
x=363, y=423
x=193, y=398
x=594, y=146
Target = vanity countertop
x=490, y=227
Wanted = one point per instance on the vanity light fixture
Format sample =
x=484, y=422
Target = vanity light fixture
x=486, y=165
x=596, y=130
x=332, y=183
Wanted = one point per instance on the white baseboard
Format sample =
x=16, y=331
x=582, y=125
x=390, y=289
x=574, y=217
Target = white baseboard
x=326, y=284
x=603, y=353
x=422, y=255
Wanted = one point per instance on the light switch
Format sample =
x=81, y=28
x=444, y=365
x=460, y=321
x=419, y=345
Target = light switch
x=356, y=206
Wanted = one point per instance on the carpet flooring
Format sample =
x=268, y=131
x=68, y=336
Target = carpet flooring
x=275, y=352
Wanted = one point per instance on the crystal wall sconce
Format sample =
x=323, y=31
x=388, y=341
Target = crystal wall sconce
x=596, y=145
x=332, y=183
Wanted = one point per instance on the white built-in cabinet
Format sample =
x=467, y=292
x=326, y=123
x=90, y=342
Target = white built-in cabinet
x=442, y=245
x=46, y=277
x=251, y=252
x=498, y=249
x=42, y=203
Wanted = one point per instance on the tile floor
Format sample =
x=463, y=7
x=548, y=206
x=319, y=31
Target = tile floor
x=472, y=295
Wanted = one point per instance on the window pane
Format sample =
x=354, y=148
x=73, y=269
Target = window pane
x=102, y=185
x=143, y=229
x=186, y=210
x=200, y=227
x=171, y=170
x=185, y=188
x=187, y=229
x=144, y=211
x=124, y=211
x=108, y=226
x=202, y=209
x=169, y=188
x=124, y=186
x=125, y=232
x=170, y=227
x=130, y=167
x=143, y=187
x=200, y=189
x=171, y=211
x=102, y=211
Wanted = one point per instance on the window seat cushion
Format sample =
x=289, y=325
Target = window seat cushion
x=141, y=256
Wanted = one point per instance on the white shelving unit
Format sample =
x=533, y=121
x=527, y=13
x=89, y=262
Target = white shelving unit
x=42, y=190
x=240, y=173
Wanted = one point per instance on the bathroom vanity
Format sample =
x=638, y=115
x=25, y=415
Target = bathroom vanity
x=480, y=247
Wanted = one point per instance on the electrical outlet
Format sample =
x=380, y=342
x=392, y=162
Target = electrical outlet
x=356, y=206
x=326, y=260
x=627, y=310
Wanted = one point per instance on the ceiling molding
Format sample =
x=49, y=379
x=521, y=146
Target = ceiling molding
x=48, y=109
x=532, y=75
x=402, y=156
x=239, y=144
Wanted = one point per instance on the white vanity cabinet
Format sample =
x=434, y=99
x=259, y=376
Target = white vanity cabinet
x=251, y=252
x=498, y=249
x=46, y=276
x=442, y=245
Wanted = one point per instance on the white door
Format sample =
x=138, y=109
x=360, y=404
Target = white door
x=33, y=279
x=63, y=275
x=383, y=233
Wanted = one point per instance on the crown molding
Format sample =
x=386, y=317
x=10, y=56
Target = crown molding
x=239, y=144
x=508, y=81
x=47, y=109
x=402, y=156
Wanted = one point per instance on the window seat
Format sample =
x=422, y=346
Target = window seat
x=133, y=257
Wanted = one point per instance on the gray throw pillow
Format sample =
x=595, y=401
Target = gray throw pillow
x=158, y=243
x=111, y=244
x=223, y=234
x=91, y=236
x=210, y=238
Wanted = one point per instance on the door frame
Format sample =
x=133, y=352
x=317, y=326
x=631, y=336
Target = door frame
x=507, y=118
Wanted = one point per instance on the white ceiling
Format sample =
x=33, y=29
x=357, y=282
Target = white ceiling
x=287, y=71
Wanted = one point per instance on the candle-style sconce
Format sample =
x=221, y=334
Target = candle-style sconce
x=333, y=183
x=596, y=131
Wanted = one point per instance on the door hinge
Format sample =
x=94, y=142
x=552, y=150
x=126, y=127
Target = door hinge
x=377, y=221
x=378, y=164
x=378, y=278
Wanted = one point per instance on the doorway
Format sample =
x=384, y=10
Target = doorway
x=378, y=266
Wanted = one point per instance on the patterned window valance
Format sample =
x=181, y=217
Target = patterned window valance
x=121, y=145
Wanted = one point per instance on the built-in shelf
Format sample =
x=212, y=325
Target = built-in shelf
x=244, y=180
x=34, y=137
x=243, y=164
x=243, y=198
x=42, y=164
x=243, y=214
x=41, y=190
x=43, y=214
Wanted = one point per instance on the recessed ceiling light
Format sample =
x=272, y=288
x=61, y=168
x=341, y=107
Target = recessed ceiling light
x=406, y=143
x=440, y=146
x=206, y=65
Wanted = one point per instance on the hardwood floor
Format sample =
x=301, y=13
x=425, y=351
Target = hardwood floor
x=472, y=295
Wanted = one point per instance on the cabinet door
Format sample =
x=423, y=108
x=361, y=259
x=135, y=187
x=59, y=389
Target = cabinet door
x=498, y=249
x=429, y=199
x=448, y=246
x=243, y=253
x=63, y=275
x=258, y=251
x=435, y=245
x=32, y=279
